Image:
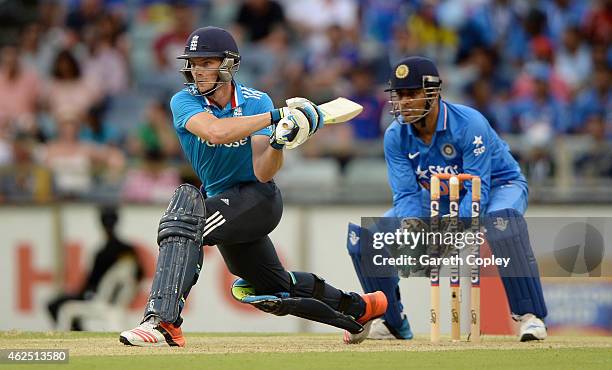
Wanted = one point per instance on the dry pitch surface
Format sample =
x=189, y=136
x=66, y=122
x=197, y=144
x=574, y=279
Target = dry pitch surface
x=287, y=351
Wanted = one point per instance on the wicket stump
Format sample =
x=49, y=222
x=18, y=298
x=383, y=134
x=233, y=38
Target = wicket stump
x=455, y=287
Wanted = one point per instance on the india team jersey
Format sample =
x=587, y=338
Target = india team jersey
x=219, y=166
x=464, y=142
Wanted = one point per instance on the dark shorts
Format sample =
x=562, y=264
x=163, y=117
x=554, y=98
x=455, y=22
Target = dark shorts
x=238, y=221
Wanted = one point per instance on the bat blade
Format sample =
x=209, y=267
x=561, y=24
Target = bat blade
x=340, y=110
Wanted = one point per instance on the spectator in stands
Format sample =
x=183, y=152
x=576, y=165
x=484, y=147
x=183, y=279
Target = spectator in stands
x=541, y=53
x=330, y=64
x=112, y=251
x=482, y=98
x=366, y=127
x=170, y=43
x=539, y=114
x=72, y=162
x=436, y=41
x=155, y=134
x=539, y=117
x=404, y=43
x=153, y=181
x=490, y=25
x=313, y=19
x=598, y=22
x=598, y=161
x=257, y=18
x=106, y=62
x=42, y=38
x=68, y=92
x=82, y=19
x=19, y=87
x=99, y=131
x=6, y=137
x=482, y=63
x=276, y=66
x=561, y=15
x=24, y=180
x=596, y=100
x=34, y=53
x=573, y=59
x=380, y=18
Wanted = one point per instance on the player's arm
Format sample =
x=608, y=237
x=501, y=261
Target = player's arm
x=226, y=130
x=476, y=147
x=266, y=160
x=402, y=180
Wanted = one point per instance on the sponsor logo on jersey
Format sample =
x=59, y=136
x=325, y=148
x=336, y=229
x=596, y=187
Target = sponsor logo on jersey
x=479, y=146
x=435, y=170
x=235, y=144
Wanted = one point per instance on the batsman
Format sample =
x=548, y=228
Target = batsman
x=231, y=136
x=432, y=136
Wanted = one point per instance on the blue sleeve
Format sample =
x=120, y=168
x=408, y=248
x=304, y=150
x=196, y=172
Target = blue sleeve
x=184, y=106
x=402, y=180
x=476, y=146
x=262, y=105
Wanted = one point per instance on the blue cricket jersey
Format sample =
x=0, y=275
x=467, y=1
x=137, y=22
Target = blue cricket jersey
x=464, y=142
x=219, y=166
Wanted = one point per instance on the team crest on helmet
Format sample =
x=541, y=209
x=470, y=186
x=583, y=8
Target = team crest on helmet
x=194, y=43
x=448, y=151
x=402, y=71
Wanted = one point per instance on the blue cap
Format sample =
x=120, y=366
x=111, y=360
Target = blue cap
x=210, y=42
x=408, y=73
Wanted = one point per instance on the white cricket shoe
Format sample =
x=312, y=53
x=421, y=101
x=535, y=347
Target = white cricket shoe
x=532, y=328
x=153, y=333
x=380, y=330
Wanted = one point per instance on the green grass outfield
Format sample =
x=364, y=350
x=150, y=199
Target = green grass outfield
x=302, y=351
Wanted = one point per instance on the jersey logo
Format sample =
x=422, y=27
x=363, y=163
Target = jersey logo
x=448, y=151
x=194, y=43
x=225, y=200
x=479, y=146
x=238, y=112
x=421, y=174
x=413, y=155
x=235, y=144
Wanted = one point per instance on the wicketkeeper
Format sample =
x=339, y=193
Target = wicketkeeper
x=430, y=136
x=230, y=135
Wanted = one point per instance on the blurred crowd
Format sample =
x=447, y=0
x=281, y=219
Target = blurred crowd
x=85, y=84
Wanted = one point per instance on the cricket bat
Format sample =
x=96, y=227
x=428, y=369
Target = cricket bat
x=338, y=110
